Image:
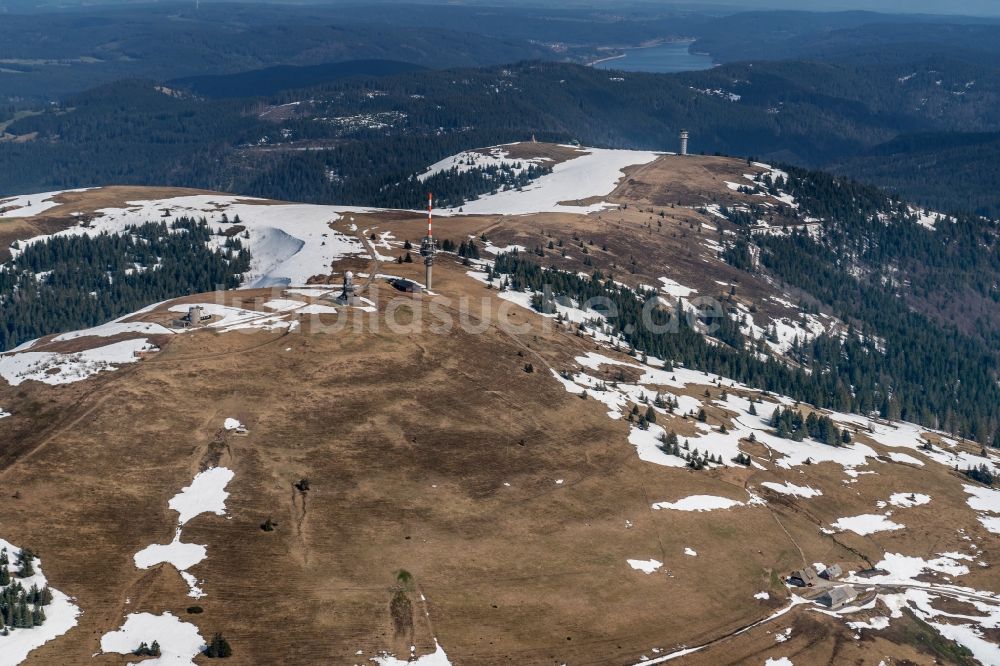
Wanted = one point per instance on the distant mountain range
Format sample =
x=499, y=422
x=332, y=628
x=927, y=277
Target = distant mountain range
x=270, y=80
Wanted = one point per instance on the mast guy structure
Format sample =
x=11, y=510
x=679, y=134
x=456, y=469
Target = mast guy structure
x=427, y=248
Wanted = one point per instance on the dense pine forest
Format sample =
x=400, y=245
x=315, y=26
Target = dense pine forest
x=70, y=282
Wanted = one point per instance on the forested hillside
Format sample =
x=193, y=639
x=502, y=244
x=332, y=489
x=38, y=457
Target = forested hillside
x=386, y=129
x=69, y=282
x=955, y=169
x=924, y=296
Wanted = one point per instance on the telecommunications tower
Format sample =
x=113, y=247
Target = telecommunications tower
x=684, y=142
x=427, y=248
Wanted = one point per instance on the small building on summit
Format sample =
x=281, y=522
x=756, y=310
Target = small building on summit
x=195, y=317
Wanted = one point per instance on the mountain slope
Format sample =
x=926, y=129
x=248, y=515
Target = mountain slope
x=484, y=491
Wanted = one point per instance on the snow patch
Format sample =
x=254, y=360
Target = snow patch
x=789, y=488
x=645, y=566
x=179, y=641
x=868, y=523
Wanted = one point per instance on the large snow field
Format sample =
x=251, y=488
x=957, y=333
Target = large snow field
x=179, y=641
x=60, y=615
x=594, y=173
x=58, y=368
x=288, y=243
x=27, y=205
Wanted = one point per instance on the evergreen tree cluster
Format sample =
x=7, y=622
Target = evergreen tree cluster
x=790, y=424
x=20, y=608
x=218, y=648
x=454, y=187
x=981, y=473
x=65, y=283
x=465, y=249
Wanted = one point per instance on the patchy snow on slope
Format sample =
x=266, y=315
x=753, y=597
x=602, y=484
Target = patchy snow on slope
x=231, y=424
x=496, y=156
x=868, y=523
x=789, y=488
x=179, y=641
x=288, y=243
x=691, y=552
x=595, y=172
x=60, y=615
x=676, y=289
x=316, y=309
x=206, y=494
x=709, y=440
x=985, y=500
x=495, y=249
x=115, y=328
x=918, y=596
x=181, y=556
x=236, y=319
x=436, y=658
x=778, y=661
x=58, y=368
x=928, y=218
x=905, y=458
x=763, y=596
x=283, y=304
x=645, y=566
x=907, y=500
x=28, y=205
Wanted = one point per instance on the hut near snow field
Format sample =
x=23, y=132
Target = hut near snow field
x=804, y=577
x=839, y=596
x=832, y=572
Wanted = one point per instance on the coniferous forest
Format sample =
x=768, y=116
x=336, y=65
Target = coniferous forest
x=69, y=282
x=955, y=388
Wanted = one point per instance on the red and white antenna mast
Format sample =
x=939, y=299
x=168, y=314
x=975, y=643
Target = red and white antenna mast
x=427, y=248
x=430, y=213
